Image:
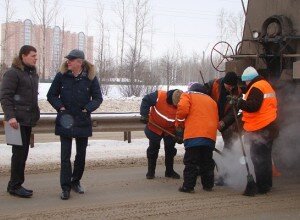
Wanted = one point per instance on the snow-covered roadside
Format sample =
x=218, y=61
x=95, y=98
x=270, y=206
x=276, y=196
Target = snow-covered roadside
x=97, y=150
x=113, y=91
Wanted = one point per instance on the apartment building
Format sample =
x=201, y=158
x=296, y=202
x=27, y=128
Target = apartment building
x=58, y=44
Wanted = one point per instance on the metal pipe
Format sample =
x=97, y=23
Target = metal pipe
x=260, y=55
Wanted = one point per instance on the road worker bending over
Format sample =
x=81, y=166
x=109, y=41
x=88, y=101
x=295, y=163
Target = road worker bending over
x=158, y=110
x=197, y=116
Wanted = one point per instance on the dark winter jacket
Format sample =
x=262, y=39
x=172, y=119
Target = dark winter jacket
x=225, y=111
x=148, y=101
x=19, y=94
x=75, y=94
x=255, y=97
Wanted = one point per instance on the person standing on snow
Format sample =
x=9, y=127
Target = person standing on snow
x=75, y=93
x=197, y=117
x=19, y=101
x=160, y=108
x=259, y=116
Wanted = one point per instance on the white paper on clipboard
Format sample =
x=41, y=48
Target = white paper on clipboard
x=12, y=136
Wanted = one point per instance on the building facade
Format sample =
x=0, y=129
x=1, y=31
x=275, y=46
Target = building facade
x=57, y=44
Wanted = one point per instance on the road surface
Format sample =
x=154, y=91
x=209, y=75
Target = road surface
x=125, y=193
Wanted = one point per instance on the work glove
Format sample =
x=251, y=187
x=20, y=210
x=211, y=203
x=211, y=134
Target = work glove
x=179, y=135
x=233, y=100
x=144, y=119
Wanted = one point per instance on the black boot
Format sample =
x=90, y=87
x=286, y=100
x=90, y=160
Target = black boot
x=151, y=168
x=169, y=161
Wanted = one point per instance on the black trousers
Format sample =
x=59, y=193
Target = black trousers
x=18, y=159
x=198, y=160
x=261, y=156
x=154, y=146
x=66, y=174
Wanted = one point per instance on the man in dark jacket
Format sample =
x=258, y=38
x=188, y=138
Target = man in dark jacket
x=219, y=89
x=160, y=108
x=260, y=124
x=19, y=101
x=74, y=93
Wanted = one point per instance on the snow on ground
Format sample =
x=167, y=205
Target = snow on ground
x=113, y=102
x=97, y=150
x=113, y=91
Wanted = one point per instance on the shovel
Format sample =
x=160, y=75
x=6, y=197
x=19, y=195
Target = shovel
x=251, y=188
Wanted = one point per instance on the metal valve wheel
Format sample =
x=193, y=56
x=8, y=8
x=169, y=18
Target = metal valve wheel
x=220, y=54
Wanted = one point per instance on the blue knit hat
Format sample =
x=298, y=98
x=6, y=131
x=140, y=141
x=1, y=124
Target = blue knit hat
x=249, y=74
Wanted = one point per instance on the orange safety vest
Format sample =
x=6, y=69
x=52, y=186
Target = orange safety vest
x=267, y=112
x=215, y=91
x=198, y=113
x=162, y=114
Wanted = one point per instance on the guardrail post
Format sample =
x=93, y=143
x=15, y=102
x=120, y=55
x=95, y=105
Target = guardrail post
x=127, y=136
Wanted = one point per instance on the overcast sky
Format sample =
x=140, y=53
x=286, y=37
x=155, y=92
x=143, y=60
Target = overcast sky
x=192, y=24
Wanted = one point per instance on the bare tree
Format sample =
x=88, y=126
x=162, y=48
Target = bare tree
x=169, y=64
x=9, y=12
x=222, y=27
x=44, y=13
x=143, y=13
x=231, y=26
x=134, y=71
x=100, y=22
x=123, y=16
x=100, y=61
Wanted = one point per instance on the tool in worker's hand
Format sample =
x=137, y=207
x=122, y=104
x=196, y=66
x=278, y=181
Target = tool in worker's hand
x=251, y=188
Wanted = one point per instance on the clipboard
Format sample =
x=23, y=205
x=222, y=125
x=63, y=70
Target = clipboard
x=12, y=136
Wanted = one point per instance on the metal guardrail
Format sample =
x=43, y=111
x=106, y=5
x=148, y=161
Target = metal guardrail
x=102, y=122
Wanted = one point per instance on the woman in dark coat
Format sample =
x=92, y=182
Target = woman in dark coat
x=74, y=93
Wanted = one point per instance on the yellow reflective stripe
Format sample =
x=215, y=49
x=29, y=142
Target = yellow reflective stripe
x=163, y=116
x=181, y=120
x=269, y=95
